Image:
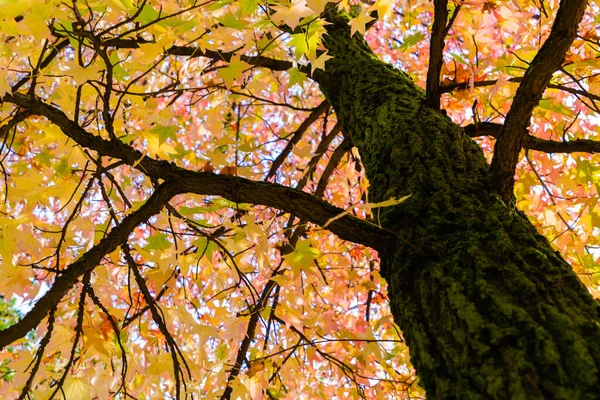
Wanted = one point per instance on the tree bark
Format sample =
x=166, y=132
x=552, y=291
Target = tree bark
x=487, y=307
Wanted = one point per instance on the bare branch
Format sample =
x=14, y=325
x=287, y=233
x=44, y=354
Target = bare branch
x=534, y=143
x=194, y=52
x=233, y=188
x=297, y=135
x=436, y=49
x=491, y=82
x=535, y=81
x=86, y=263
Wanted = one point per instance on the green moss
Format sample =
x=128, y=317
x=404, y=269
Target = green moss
x=487, y=307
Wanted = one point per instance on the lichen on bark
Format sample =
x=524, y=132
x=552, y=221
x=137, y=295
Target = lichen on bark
x=487, y=307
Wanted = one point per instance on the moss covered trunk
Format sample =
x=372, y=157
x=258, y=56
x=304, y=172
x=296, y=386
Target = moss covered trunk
x=487, y=307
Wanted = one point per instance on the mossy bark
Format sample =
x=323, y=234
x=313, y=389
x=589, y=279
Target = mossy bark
x=487, y=307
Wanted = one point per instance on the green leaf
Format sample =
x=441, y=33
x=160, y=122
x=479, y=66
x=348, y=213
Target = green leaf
x=62, y=168
x=44, y=158
x=164, y=133
x=410, y=40
x=247, y=7
x=148, y=14
x=233, y=71
x=186, y=211
x=231, y=21
x=296, y=77
x=303, y=257
x=180, y=152
x=158, y=241
x=219, y=4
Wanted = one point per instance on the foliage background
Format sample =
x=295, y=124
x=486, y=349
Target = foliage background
x=211, y=294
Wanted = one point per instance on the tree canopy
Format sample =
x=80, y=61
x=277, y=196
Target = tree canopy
x=192, y=205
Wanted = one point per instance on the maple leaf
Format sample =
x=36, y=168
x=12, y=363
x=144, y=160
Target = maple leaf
x=296, y=76
x=76, y=388
x=164, y=133
x=158, y=241
x=233, y=71
x=359, y=23
x=303, y=257
x=319, y=62
x=293, y=14
x=318, y=6
x=234, y=131
x=4, y=85
x=383, y=7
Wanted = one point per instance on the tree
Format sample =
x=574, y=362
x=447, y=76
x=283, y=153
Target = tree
x=137, y=137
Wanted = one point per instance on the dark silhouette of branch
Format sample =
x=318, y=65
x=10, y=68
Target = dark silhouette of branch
x=117, y=333
x=159, y=318
x=78, y=335
x=39, y=354
x=535, y=81
x=534, y=143
x=272, y=286
x=297, y=135
x=178, y=180
x=436, y=49
x=86, y=263
x=236, y=189
x=490, y=82
x=194, y=52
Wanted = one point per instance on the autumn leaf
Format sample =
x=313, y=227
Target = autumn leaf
x=291, y=15
x=4, y=85
x=303, y=257
x=76, y=388
x=222, y=179
x=359, y=23
x=233, y=71
x=158, y=241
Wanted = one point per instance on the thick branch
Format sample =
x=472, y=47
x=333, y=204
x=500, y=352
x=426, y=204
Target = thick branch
x=436, y=49
x=192, y=52
x=87, y=262
x=536, y=79
x=534, y=143
x=491, y=82
x=233, y=188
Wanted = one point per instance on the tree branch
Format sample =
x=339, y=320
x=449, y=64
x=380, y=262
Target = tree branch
x=490, y=82
x=436, y=49
x=533, y=143
x=297, y=135
x=535, y=81
x=194, y=52
x=86, y=263
x=233, y=188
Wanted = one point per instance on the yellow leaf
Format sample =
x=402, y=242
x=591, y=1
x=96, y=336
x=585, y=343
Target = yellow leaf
x=61, y=340
x=319, y=62
x=15, y=280
x=150, y=52
x=303, y=257
x=4, y=86
x=383, y=7
x=76, y=388
x=359, y=23
x=318, y=6
x=368, y=206
x=159, y=364
x=293, y=14
x=36, y=22
x=83, y=74
x=302, y=152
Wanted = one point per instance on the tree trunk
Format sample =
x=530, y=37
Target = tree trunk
x=487, y=307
